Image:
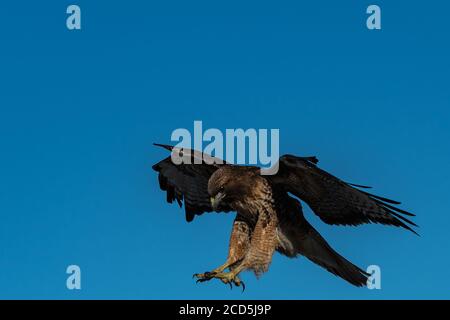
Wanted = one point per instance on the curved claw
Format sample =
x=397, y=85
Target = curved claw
x=226, y=278
x=203, y=276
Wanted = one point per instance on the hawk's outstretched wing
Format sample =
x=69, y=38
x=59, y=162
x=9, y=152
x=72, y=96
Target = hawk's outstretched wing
x=333, y=200
x=186, y=183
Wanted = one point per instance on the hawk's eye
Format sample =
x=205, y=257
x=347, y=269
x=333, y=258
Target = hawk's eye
x=222, y=189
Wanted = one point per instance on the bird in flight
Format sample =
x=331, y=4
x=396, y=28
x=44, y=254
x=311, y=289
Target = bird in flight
x=268, y=217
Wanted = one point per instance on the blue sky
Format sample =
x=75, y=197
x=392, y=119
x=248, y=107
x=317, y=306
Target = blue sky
x=79, y=111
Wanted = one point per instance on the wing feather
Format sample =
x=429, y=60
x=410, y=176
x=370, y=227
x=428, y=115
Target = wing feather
x=314, y=247
x=305, y=240
x=186, y=183
x=335, y=201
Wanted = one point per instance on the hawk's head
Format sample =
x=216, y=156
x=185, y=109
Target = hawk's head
x=229, y=184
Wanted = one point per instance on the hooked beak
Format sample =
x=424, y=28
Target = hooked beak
x=215, y=201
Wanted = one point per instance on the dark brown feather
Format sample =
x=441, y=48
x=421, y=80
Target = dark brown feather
x=333, y=200
x=186, y=183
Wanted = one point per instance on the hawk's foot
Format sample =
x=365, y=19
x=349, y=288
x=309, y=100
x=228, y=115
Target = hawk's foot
x=226, y=277
x=206, y=276
x=230, y=278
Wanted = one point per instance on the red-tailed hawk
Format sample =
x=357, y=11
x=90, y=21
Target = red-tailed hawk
x=268, y=217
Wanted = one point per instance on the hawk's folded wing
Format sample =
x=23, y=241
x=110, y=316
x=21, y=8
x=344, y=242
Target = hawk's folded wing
x=314, y=247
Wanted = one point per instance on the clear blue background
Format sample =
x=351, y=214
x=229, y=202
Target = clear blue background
x=79, y=111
